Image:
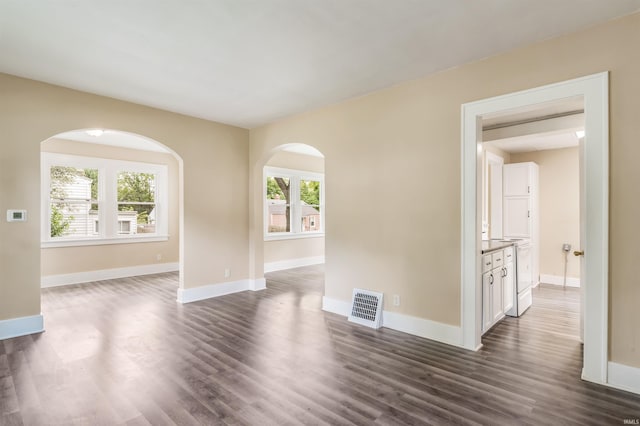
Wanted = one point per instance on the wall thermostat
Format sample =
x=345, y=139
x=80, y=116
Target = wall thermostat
x=16, y=215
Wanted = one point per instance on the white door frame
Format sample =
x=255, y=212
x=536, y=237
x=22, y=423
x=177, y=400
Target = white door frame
x=492, y=159
x=595, y=91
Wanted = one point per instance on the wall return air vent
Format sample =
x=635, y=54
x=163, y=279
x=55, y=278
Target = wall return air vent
x=366, y=308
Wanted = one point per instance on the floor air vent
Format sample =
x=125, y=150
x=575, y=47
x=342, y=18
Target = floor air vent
x=366, y=308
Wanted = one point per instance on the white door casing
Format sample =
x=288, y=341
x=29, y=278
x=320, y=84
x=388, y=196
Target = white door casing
x=595, y=160
x=583, y=237
x=494, y=171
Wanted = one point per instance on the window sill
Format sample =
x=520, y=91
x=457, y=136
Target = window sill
x=277, y=237
x=104, y=241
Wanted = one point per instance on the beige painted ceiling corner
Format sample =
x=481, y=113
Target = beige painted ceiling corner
x=248, y=63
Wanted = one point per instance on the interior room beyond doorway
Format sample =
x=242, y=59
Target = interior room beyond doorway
x=531, y=205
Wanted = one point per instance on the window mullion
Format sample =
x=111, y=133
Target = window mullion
x=109, y=212
x=322, y=215
x=294, y=195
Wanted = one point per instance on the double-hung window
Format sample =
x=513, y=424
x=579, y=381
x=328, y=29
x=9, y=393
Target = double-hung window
x=87, y=201
x=294, y=203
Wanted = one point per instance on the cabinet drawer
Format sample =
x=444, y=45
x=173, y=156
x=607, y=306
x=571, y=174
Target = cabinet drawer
x=487, y=263
x=497, y=258
x=508, y=255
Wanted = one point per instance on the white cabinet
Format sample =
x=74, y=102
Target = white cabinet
x=487, y=297
x=498, y=286
x=516, y=179
x=492, y=311
x=496, y=296
x=517, y=217
x=508, y=286
x=521, y=215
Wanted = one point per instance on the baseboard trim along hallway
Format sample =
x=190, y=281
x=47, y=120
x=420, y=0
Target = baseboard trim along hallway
x=623, y=377
x=558, y=280
x=107, y=274
x=16, y=327
x=188, y=295
x=293, y=263
x=420, y=327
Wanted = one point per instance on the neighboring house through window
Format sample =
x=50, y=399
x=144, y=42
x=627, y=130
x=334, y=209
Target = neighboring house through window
x=90, y=200
x=294, y=203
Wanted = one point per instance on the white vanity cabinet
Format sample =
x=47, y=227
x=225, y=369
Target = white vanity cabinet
x=492, y=288
x=498, y=286
x=508, y=280
x=487, y=300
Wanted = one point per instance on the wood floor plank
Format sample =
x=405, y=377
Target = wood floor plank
x=124, y=352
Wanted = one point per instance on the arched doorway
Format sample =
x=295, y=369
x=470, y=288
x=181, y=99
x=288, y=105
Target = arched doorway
x=110, y=207
x=273, y=157
x=293, y=208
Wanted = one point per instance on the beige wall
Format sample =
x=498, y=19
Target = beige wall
x=396, y=153
x=392, y=154
x=291, y=249
x=66, y=260
x=213, y=169
x=300, y=248
x=559, y=184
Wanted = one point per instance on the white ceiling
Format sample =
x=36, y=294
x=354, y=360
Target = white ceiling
x=249, y=62
x=537, y=142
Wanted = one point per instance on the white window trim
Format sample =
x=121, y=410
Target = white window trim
x=107, y=200
x=295, y=177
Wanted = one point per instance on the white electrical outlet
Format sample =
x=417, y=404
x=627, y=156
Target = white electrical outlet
x=159, y=257
x=227, y=272
x=396, y=300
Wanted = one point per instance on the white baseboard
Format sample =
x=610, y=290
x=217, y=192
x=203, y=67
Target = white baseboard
x=558, y=280
x=623, y=377
x=16, y=327
x=293, y=263
x=107, y=274
x=335, y=306
x=258, y=284
x=188, y=295
x=445, y=333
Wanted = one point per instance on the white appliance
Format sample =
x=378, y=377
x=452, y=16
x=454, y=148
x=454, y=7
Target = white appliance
x=524, y=277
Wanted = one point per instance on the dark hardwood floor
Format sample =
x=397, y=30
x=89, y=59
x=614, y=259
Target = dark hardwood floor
x=124, y=352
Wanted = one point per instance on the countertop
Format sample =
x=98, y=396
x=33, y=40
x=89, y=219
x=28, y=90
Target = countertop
x=492, y=245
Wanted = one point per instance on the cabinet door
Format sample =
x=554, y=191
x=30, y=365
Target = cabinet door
x=496, y=296
x=517, y=220
x=487, y=316
x=508, y=287
x=516, y=179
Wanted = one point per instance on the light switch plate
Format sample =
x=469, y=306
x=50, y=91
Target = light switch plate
x=16, y=215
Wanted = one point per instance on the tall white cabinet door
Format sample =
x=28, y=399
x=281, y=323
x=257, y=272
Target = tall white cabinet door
x=487, y=317
x=517, y=220
x=496, y=296
x=508, y=287
x=516, y=180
